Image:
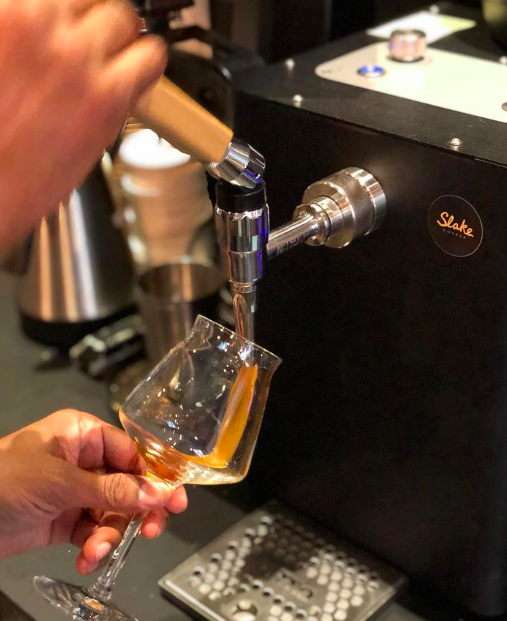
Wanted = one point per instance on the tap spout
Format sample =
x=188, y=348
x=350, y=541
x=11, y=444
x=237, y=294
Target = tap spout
x=241, y=219
x=244, y=301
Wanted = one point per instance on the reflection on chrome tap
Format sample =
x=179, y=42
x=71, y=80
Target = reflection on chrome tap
x=244, y=303
x=241, y=218
x=241, y=165
x=335, y=211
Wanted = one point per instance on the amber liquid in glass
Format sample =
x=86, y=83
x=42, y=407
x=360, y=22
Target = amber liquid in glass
x=169, y=464
x=176, y=468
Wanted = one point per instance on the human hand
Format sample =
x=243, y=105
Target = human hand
x=62, y=480
x=70, y=72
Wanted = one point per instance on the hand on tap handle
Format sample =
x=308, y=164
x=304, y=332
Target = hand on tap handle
x=173, y=115
x=70, y=73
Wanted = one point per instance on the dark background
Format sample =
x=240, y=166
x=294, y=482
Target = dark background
x=281, y=28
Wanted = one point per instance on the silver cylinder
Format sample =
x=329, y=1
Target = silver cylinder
x=292, y=234
x=244, y=304
x=407, y=45
x=170, y=298
x=349, y=204
x=242, y=237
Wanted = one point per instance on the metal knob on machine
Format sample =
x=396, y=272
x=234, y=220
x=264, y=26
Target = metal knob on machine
x=408, y=45
x=335, y=211
x=348, y=205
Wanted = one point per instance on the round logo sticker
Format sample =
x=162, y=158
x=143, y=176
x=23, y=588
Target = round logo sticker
x=455, y=226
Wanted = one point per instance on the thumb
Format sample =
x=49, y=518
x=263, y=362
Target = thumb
x=119, y=492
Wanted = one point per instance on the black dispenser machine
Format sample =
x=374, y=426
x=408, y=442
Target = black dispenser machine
x=388, y=419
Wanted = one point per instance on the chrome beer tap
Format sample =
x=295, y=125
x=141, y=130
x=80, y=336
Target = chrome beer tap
x=242, y=224
x=334, y=211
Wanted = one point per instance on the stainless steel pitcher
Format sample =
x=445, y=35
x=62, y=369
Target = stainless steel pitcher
x=76, y=273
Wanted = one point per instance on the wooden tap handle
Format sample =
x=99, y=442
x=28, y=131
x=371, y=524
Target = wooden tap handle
x=177, y=118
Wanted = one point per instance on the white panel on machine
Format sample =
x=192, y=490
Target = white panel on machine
x=445, y=79
x=434, y=25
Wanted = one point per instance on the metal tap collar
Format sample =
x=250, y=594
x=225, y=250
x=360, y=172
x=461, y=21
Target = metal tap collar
x=241, y=165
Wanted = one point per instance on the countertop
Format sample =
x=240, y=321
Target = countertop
x=29, y=391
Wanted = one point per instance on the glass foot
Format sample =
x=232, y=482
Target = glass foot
x=77, y=602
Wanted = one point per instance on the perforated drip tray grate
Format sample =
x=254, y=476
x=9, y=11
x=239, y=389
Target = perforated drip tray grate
x=275, y=565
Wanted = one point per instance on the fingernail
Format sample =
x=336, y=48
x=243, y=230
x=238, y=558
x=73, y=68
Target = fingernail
x=153, y=531
x=103, y=550
x=152, y=494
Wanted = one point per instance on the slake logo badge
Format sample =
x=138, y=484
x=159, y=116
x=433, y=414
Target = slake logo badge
x=446, y=221
x=455, y=226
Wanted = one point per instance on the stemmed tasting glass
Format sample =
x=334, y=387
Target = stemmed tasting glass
x=194, y=419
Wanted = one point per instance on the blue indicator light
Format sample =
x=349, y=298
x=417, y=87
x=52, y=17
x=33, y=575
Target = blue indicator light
x=371, y=71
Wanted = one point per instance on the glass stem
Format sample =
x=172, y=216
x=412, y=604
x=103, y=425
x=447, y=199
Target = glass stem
x=103, y=587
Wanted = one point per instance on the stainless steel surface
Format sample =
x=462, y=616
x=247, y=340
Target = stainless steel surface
x=241, y=165
x=242, y=237
x=274, y=565
x=328, y=216
x=78, y=267
x=336, y=210
x=244, y=305
x=357, y=205
x=170, y=298
x=407, y=45
x=291, y=234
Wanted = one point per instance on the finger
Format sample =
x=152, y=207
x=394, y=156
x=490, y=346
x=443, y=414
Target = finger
x=77, y=8
x=178, y=501
x=94, y=444
x=133, y=71
x=154, y=524
x=64, y=525
x=97, y=514
x=111, y=26
x=83, y=530
x=120, y=452
x=105, y=538
x=83, y=566
x=114, y=492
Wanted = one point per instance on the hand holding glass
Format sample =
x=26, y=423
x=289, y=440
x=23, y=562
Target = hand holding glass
x=195, y=419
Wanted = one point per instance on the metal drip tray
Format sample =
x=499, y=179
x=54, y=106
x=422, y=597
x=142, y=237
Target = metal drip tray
x=275, y=565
